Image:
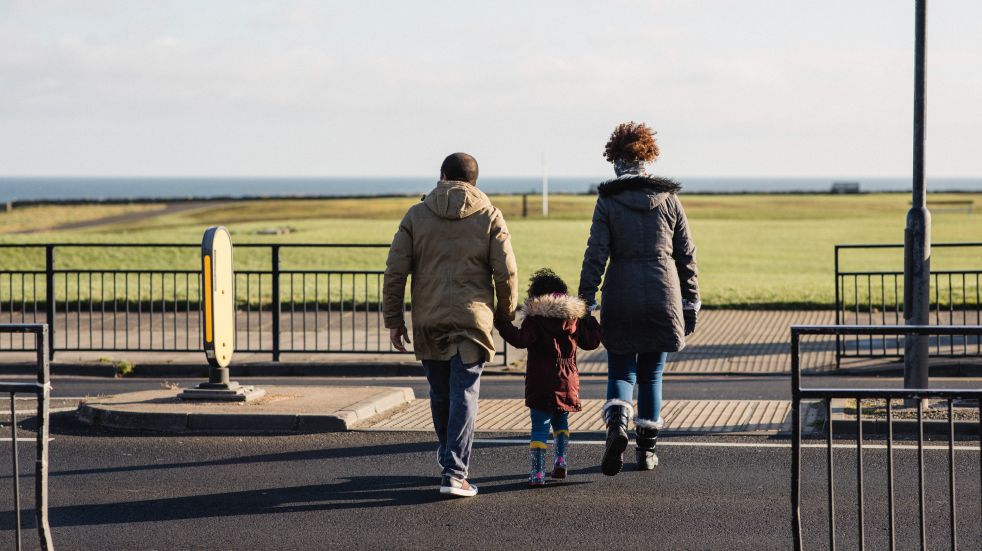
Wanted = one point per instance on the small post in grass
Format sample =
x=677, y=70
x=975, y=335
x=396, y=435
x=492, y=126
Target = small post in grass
x=218, y=292
x=545, y=187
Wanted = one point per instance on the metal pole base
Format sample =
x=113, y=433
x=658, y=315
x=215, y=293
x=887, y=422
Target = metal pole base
x=220, y=389
x=917, y=295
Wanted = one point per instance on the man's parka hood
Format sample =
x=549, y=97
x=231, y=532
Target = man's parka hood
x=455, y=200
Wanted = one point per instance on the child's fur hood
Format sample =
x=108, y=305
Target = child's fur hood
x=562, y=307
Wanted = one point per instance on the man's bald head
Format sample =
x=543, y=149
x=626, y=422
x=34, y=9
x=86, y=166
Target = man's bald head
x=459, y=167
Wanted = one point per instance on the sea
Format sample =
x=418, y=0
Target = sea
x=143, y=188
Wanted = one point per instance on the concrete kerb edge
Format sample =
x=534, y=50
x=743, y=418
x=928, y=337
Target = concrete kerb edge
x=367, y=409
x=91, y=414
x=167, y=422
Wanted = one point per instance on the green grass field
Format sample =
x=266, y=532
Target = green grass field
x=754, y=250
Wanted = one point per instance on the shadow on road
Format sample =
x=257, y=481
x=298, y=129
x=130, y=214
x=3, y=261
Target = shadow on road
x=361, y=492
x=322, y=454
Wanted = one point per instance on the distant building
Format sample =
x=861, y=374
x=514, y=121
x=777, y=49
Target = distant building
x=845, y=187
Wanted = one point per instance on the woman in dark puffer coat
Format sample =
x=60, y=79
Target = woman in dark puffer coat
x=650, y=289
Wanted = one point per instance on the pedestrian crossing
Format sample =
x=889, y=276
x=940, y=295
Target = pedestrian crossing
x=756, y=417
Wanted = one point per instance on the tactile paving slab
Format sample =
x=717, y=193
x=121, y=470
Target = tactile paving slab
x=681, y=416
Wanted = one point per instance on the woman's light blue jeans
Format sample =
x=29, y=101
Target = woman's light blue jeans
x=645, y=370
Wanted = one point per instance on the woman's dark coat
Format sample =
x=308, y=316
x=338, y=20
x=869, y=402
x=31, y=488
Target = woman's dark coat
x=639, y=225
x=554, y=326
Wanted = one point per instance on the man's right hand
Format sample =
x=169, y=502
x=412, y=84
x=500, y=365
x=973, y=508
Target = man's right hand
x=397, y=335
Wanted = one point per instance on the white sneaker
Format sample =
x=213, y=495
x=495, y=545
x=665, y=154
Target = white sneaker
x=457, y=487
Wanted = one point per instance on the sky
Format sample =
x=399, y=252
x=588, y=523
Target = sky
x=743, y=88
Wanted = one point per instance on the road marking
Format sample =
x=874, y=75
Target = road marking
x=22, y=439
x=63, y=398
x=33, y=413
x=781, y=445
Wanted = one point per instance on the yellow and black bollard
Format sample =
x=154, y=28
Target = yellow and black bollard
x=218, y=294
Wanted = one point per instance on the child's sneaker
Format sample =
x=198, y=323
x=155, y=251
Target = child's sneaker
x=537, y=476
x=459, y=487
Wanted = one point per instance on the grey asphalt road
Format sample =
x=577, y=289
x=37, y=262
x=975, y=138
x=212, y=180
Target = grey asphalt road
x=512, y=386
x=378, y=491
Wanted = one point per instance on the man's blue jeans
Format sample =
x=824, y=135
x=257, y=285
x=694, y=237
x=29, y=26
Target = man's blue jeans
x=624, y=370
x=454, y=388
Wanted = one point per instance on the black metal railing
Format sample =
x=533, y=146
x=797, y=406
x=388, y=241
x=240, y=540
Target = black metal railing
x=104, y=298
x=825, y=396
x=876, y=297
x=41, y=390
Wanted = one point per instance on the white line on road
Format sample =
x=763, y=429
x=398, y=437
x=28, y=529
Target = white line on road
x=33, y=412
x=781, y=445
x=66, y=398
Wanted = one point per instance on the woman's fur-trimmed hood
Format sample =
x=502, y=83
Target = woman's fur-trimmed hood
x=562, y=307
x=645, y=183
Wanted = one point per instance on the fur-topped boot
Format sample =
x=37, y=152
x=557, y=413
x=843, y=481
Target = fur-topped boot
x=646, y=436
x=616, y=414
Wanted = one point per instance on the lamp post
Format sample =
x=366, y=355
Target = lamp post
x=917, y=234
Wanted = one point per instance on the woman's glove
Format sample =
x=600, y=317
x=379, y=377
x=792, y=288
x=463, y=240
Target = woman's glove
x=690, y=320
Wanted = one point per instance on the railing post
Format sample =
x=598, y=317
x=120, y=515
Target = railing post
x=50, y=299
x=277, y=303
x=795, y=442
x=41, y=468
x=838, y=307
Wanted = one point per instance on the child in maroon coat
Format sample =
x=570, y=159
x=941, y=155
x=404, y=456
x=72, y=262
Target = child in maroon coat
x=555, y=325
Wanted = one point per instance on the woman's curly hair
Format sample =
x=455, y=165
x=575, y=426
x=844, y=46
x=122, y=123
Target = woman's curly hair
x=631, y=142
x=546, y=282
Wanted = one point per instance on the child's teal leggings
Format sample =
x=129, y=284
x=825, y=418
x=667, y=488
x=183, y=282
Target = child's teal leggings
x=541, y=420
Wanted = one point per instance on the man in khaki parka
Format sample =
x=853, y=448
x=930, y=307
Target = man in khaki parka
x=458, y=250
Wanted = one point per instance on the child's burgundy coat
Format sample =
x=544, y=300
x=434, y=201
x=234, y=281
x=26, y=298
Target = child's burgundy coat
x=554, y=326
